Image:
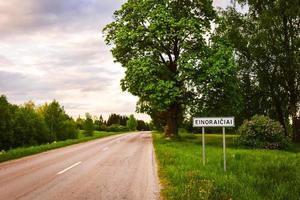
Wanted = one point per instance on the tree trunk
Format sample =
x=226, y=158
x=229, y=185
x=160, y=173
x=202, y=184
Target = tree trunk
x=296, y=129
x=296, y=135
x=171, y=128
x=295, y=122
x=280, y=115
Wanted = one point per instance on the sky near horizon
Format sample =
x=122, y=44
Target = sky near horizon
x=54, y=49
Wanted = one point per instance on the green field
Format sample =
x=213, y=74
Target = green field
x=251, y=174
x=26, y=151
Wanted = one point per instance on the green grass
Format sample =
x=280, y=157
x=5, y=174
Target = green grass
x=26, y=151
x=251, y=174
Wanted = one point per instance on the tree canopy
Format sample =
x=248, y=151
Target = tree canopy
x=266, y=43
x=29, y=124
x=132, y=123
x=161, y=43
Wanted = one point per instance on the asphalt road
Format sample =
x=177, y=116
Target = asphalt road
x=116, y=167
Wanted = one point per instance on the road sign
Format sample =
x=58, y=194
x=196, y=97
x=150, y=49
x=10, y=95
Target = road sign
x=213, y=122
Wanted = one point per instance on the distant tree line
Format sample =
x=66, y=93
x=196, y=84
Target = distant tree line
x=28, y=124
x=114, y=123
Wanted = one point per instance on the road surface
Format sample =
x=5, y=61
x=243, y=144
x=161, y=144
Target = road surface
x=116, y=167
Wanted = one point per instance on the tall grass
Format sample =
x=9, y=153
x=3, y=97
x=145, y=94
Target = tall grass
x=251, y=174
x=26, y=151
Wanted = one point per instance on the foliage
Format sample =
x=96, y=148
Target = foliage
x=54, y=116
x=117, y=128
x=262, y=132
x=88, y=125
x=142, y=126
x=116, y=119
x=30, y=128
x=266, y=43
x=98, y=123
x=69, y=130
x=251, y=174
x=6, y=124
x=79, y=123
x=132, y=123
x=103, y=127
x=161, y=43
x=218, y=89
x=30, y=125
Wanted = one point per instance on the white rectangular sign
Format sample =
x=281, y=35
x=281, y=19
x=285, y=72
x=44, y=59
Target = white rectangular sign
x=213, y=122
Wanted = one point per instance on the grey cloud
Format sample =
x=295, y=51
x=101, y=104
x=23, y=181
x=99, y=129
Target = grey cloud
x=12, y=82
x=20, y=88
x=23, y=17
x=76, y=106
x=20, y=85
x=4, y=61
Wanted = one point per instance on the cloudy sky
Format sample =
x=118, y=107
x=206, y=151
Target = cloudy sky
x=54, y=49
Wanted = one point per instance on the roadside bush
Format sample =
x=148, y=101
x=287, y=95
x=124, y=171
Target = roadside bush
x=68, y=130
x=132, y=123
x=103, y=127
x=28, y=125
x=30, y=128
x=262, y=132
x=79, y=123
x=54, y=116
x=117, y=128
x=97, y=127
x=142, y=126
x=88, y=125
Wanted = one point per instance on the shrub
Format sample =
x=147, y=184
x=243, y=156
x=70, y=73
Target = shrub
x=142, y=126
x=30, y=128
x=96, y=127
x=79, y=123
x=131, y=123
x=262, y=132
x=103, y=127
x=54, y=116
x=68, y=130
x=88, y=125
x=117, y=128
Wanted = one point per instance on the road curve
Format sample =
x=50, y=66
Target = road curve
x=112, y=168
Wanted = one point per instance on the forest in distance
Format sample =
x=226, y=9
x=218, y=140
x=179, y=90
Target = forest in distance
x=29, y=125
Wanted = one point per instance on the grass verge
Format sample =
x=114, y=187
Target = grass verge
x=26, y=151
x=251, y=174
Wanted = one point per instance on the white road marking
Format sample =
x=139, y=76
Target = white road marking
x=68, y=168
x=105, y=149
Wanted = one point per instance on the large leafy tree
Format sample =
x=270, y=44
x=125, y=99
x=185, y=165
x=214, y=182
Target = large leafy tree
x=54, y=115
x=218, y=86
x=30, y=127
x=161, y=43
x=132, y=123
x=266, y=41
x=114, y=119
x=88, y=125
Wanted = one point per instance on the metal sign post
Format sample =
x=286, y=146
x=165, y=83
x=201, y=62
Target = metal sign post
x=203, y=147
x=224, y=149
x=214, y=122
